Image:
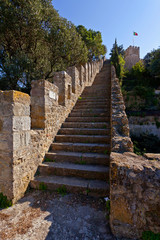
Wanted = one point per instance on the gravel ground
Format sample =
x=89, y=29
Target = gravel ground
x=42, y=215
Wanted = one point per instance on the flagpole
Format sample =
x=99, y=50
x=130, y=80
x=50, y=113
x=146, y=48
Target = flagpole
x=133, y=38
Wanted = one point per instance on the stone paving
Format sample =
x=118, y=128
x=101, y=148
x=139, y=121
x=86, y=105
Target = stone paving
x=44, y=215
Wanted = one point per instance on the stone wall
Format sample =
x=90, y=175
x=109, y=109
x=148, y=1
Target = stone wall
x=134, y=180
x=26, y=135
x=132, y=56
x=135, y=195
x=121, y=141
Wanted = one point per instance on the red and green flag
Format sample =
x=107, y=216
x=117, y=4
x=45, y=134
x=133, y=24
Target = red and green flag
x=135, y=34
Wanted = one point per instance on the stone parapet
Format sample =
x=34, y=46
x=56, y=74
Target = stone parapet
x=134, y=195
x=121, y=141
x=64, y=83
x=74, y=74
x=134, y=180
x=82, y=76
x=15, y=143
x=42, y=93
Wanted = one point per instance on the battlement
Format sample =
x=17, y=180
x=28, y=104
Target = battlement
x=132, y=56
x=132, y=50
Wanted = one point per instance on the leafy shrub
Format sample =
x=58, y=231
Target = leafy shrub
x=4, y=202
x=148, y=235
x=145, y=143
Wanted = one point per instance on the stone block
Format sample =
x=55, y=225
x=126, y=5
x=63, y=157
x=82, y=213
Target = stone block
x=62, y=80
x=21, y=123
x=74, y=74
x=134, y=195
x=21, y=109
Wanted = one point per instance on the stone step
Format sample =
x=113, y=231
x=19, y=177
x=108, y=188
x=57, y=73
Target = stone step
x=82, y=138
x=81, y=147
x=74, y=170
x=97, y=92
x=102, y=105
x=102, y=125
x=94, y=111
x=87, y=119
x=93, y=107
x=78, y=157
x=92, y=99
x=83, y=131
x=89, y=114
x=71, y=184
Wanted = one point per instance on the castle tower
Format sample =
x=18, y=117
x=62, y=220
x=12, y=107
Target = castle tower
x=132, y=56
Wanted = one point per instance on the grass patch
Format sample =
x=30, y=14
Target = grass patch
x=82, y=162
x=148, y=235
x=62, y=190
x=42, y=186
x=48, y=160
x=106, y=151
x=4, y=202
x=107, y=217
x=88, y=191
x=108, y=206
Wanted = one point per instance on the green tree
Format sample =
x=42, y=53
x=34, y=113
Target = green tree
x=34, y=42
x=119, y=48
x=152, y=64
x=122, y=69
x=138, y=70
x=23, y=50
x=115, y=58
x=93, y=41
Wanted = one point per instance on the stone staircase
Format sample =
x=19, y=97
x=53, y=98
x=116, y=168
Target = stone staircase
x=79, y=156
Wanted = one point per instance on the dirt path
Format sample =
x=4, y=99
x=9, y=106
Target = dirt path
x=50, y=216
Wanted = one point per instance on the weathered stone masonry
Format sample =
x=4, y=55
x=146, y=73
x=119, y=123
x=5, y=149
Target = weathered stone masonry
x=134, y=180
x=25, y=135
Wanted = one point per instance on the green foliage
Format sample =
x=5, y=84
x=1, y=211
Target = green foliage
x=49, y=160
x=145, y=141
x=42, y=186
x=152, y=64
x=117, y=59
x=4, y=202
x=119, y=49
x=93, y=41
x=35, y=42
x=108, y=205
x=106, y=151
x=148, y=235
x=88, y=191
x=122, y=69
x=146, y=93
x=137, y=149
x=82, y=162
x=62, y=190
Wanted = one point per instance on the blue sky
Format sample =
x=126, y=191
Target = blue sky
x=117, y=19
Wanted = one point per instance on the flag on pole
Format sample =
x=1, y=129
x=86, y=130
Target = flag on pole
x=135, y=34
